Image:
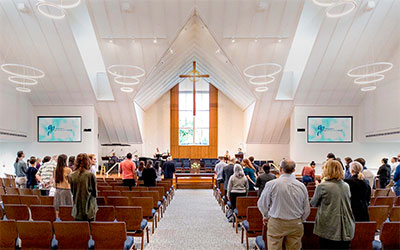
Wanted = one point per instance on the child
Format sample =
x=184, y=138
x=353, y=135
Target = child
x=31, y=174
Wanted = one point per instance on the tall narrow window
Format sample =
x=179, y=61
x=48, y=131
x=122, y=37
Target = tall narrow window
x=194, y=129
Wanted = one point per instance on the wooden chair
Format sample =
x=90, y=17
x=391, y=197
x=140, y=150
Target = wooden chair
x=252, y=225
x=105, y=213
x=46, y=200
x=397, y=202
x=10, y=199
x=72, y=234
x=102, y=188
x=8, y=235
x=36, y=192
x=395, y=214
x=116, y=235
x=313, y=214
x=309, y=240
x=65, y=213
x=1, y=213
x=43, y=213
x=12, y=190
x=261, y=240
x=131, y=193
x=29, y=200
x=106, y=193
x=364, y=235
x=140, y=188
x=35, y=234
x=147, y=207
x=390, y=235
x=16, y=212
x=156, y=203
x=241, y=209
x=7, y=182
x=101, y=200
x=311, y=193
x=378, y=214
x=117, y=201
x=25, y=191
x=252, y=193
x=381, y=192
x=384, y=201
x=121, y=188
x=135, y=224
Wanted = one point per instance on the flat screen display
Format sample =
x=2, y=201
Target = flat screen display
x=59, y=129
x=326, y=129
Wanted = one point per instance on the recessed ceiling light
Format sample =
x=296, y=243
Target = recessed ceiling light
x=279, y=40
x=45, y=11
x=233, y=40
x=110, y=40
x=23, y=89
x=155, y=40
x=217, y=51
x=255, y=40
x=261, y=89
x=171, y=51
x=369, y=88
x=127, y=89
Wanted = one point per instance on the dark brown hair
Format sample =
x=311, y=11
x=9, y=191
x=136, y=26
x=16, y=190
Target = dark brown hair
x=82, y=162
x=141, y=165
x=61, y=164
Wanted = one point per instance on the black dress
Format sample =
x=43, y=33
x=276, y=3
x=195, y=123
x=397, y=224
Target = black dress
x=384, y=175
x=149, y=177
x=360, y=197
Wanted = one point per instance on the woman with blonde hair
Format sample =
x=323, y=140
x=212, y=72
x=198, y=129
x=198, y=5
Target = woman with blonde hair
x=334, y=223
x=250, y=172
x=237, y=185
x=360, y=192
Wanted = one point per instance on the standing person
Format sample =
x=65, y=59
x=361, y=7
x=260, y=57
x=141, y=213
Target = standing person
x=308, y=173
x=396, y=179
x=149, y=175
x=250, y=173
x=38, y=163
x=140, y=170
x=237, y=185
x=263, y=178
x=20, y=170
x=368, y=175
x=227, y=155
x=63, y=196
x=71, y=162
x=384, y=173
x=169, y=169
x=84, y=191
x=347, y=174
x=31, y=174
x=360, y=192
x=395, y=163
x=284, y=206
x=227, y=173
x=219, y=168
x=258, y=169
x=93, y=163
x=45, y=176
x=128, y=170
x=334, y=223
x=158, y=169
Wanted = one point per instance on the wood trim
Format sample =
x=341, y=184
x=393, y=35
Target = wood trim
x=194, y=152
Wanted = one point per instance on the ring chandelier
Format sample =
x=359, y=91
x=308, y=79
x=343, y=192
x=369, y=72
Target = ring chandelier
x=124, y=79
x=269, y=78
x=26, y=79
x=370, y=76
x=43, y=7
x=333, y=4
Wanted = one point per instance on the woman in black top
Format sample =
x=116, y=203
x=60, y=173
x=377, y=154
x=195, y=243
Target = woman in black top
x=360, y=192
x=384, y=173
x=149, y=175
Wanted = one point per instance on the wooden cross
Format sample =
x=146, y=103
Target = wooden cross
x=192, y=76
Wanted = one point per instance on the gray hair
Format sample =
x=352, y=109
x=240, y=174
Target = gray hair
x=288, y=166
x=238, y=170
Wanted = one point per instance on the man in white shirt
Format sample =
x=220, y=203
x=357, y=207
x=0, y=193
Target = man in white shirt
x=395, y=163
x=219, y=170
x=284, y=205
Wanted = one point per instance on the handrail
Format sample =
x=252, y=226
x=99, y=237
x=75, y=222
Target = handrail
x=276, y=167
x=113, y=168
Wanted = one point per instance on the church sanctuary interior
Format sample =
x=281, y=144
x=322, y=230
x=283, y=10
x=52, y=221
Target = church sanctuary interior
x=200, y=124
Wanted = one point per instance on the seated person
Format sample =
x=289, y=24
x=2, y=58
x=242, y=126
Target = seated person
x=308, y=173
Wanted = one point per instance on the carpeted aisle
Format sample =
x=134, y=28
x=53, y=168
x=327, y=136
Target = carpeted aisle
x=194, y=220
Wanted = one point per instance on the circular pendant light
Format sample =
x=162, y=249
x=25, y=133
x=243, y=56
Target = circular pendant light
x=112, y=70
x=322, y=4
x=366, y=66
x=5, y=67
x=271, y=79
x=278, y=69
x=127, y=89
x=40, y=5
x=368, y=88
x=122, y=82
x=261, y=89
x=23, y=89
x=22, y=80
x=369, y=79
x=350, y=3
x=63, y=5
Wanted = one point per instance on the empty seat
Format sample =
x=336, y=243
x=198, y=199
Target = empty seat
x=382, y=201
x=72, y=235
x=313, y=214
x=116, y=235
x=131, y=193
x=390, y=235
x=36, y=192
x=101, y=188
x=381, y=192
x=25, y=191
x=253, y=224
x=101, y=200
x=121, y=188
x=117, y=201
x=43, y=213
x=12, y=190
x=16, y=211
x=65, y=213
x=105, y=213
x=364, y=235
x=147, y=207
x=395, y=214
x=110, y=193
x=378, y=214
x=29, y=200
x=241, y=209
x=46, y=200
x=35, y=234
x=10, y=199
x=8, y=235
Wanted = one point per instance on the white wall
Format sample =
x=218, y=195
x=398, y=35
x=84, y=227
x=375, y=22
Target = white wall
x=303, y=152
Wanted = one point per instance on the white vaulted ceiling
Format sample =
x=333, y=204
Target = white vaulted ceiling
x=195, y=30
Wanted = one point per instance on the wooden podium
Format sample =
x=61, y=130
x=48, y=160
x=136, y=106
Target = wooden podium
x=194, y=180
